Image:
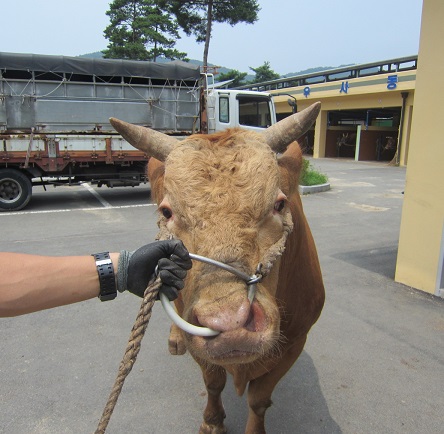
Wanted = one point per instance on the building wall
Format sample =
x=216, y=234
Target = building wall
x=421, y=243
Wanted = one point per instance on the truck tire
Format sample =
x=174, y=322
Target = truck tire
x=15, y=190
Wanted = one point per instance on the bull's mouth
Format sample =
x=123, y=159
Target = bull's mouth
x=238, y=346
x=233, y=357
x=234, y=346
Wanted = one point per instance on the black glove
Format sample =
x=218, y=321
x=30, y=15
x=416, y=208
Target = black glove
x=136, y=268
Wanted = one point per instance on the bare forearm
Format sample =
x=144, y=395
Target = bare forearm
x=29, y=283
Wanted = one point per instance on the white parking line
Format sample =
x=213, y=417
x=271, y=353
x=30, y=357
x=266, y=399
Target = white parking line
x=105, y=203
x=50, y=211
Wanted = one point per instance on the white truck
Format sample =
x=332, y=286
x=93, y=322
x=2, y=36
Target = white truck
x=54, y=112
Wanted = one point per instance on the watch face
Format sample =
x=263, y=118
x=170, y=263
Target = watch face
x=103, y=262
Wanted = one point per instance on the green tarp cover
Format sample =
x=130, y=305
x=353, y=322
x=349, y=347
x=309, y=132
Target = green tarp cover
x=175, y=70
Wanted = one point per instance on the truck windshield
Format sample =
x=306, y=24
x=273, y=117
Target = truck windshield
x=253, y=111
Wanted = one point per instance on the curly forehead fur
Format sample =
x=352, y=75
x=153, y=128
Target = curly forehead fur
x=234, y=171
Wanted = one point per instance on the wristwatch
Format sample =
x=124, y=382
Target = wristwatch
x=105, y=270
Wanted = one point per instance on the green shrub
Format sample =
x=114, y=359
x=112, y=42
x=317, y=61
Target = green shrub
x=309, y=176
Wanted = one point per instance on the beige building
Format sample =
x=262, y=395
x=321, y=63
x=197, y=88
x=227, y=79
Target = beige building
x=360, y=116
x=421, y=244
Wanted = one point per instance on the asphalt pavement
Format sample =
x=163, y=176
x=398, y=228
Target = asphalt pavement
x=373, y=363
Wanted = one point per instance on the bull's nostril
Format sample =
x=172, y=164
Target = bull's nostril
x=256, y=321
x=250, y=324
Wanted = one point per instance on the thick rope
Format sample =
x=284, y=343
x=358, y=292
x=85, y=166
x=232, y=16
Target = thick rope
x=131, y=352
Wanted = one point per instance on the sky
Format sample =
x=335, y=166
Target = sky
x=292, y=35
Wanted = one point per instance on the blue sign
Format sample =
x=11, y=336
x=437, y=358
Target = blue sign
x=392, y=81
x=344, y=87
x=307, y=91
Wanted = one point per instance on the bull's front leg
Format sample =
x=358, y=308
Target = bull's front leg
x=176, y=342
x=260, y=389
x=215, y=378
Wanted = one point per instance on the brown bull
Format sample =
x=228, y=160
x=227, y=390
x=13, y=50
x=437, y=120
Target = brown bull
x=230, y=198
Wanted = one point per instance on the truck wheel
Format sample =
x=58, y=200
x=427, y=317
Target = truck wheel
x=15, y=190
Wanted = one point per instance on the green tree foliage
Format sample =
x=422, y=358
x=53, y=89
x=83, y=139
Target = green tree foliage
x=264, y=73
x=196, y=17
x=235, y=75
x=141, y=30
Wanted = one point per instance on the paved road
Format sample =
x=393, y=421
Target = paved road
x=373, y=363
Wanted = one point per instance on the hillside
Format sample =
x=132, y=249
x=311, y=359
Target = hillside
x=313, y=70
x=99, y=55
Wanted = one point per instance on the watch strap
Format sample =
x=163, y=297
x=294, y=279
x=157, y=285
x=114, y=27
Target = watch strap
x=105, y=270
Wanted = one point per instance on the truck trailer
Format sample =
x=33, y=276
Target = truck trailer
x=55, y=110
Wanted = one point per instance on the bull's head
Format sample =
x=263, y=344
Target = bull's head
x=227, y=197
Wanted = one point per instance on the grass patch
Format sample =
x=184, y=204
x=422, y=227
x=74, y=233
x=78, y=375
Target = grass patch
x=310, y=176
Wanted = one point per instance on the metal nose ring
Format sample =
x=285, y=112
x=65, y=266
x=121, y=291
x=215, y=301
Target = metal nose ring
x=251, y=282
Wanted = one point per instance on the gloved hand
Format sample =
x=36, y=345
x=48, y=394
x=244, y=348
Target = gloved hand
x=136, y=268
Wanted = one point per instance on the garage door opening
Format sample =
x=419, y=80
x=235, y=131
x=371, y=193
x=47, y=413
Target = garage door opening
x=365, y=135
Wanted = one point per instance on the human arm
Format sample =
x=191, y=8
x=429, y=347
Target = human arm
x=29, y=283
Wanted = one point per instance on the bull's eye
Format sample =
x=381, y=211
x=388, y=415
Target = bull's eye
x=165, y=209
x=279, y=205
x=166, y=212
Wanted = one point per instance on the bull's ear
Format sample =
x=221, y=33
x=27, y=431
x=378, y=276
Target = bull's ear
x=155, y=144
x=281, y=134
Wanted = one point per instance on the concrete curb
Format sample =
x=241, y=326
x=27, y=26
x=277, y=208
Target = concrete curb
x=310, y=189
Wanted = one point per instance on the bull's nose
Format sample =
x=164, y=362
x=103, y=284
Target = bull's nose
x=225, y=318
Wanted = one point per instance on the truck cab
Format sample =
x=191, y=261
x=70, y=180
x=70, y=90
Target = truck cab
x=235, y=108
x=231, y=108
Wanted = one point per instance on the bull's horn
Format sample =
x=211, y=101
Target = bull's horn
x=155, y=144
x=281, y=134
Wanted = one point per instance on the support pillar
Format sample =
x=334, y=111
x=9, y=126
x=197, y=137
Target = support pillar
x=320, y=135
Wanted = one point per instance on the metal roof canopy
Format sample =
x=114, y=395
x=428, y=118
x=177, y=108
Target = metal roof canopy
x=174, y=70
x=335, y=74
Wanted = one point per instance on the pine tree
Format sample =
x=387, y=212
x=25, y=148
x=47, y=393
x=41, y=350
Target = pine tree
x=233, y=74
x=264, y=73
x=141, y=30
